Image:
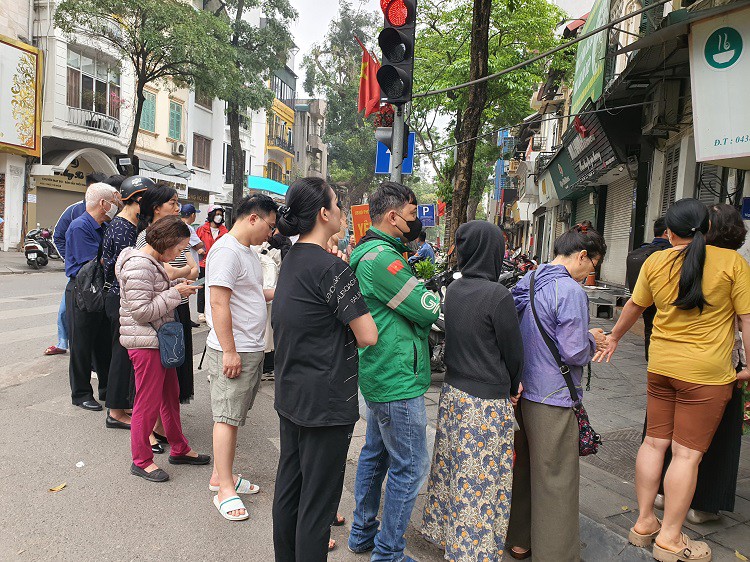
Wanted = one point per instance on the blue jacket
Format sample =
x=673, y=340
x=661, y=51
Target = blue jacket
x=562, y=306
x=83, y=240
x=63, y=223
x=425, y=251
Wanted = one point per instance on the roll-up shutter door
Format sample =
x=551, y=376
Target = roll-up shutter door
x=585, y=211
x=559, y=228
x=617, y=230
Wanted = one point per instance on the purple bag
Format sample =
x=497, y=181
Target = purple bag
x=588, y=439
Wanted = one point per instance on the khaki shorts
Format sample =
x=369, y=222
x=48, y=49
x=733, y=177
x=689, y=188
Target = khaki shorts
x=684, y=412
x=231, y=399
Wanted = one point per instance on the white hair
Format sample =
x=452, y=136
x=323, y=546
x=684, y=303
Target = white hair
x=98, y=191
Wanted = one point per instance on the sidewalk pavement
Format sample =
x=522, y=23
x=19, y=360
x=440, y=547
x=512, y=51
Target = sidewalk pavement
x=616, y=404
x=14, y=262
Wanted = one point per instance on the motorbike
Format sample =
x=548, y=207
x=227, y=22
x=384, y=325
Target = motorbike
x=522, y=261
x=39, y=248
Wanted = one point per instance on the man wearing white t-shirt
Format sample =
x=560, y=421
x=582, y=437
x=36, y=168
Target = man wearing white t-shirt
x=236, y=314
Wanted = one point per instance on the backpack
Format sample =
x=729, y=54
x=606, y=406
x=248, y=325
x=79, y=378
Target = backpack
x=88, y=289
x=635, y=260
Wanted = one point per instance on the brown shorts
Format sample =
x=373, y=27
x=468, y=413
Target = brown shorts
x=685, y=412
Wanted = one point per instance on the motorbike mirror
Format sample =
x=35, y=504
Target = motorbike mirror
x=516, y=253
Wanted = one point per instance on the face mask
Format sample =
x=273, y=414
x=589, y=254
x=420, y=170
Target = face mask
x=218, y=219
x=112, y=211
x=415, y=227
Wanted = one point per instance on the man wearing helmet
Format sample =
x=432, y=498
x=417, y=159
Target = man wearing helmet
x=209, y=232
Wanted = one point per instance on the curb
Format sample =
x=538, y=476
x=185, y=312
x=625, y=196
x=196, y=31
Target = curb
x=600, y=544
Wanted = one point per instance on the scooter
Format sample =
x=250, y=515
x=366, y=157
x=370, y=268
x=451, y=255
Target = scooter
x=439, y=285
x=39, y=248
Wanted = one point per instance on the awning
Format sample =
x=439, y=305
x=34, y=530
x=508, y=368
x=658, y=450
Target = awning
x=260, y=183
x=575, y=25
x=174, y=174
x=677, y=23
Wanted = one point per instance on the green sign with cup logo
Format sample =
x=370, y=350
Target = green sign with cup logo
x=723, y=48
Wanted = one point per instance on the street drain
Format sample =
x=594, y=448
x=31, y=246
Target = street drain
x=617, y=453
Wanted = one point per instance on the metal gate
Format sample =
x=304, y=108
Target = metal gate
x=617, y=229
x=585, y=211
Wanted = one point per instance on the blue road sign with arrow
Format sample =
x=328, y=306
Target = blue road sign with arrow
x=383, y=159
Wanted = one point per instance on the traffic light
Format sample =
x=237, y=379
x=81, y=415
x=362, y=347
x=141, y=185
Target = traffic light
x=396, y=41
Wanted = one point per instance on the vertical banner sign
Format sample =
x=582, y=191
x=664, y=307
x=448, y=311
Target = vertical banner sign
x=360, y=221
x=720, y=74
x=588, y=80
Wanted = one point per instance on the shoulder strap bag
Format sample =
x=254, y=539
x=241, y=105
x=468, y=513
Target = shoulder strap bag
x=588, y=439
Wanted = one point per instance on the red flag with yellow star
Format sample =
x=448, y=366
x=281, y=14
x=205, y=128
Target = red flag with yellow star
x=369, y=89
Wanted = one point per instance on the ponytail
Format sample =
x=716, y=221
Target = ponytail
x=304, y=199
x=688, y=218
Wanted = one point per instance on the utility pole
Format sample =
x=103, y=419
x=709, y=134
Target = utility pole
x=397, y=144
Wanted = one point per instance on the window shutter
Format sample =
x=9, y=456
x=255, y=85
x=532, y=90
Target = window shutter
x=148, y=115
x=74, y=88
x=175, y=121
x=671, y=167
x=709, y=182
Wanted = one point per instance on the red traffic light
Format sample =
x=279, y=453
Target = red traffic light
x=398, y=12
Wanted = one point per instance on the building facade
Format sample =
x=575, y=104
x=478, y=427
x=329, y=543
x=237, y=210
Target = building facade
x=311, y=153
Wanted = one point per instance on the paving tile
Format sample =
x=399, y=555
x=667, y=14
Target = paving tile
x=734, y=538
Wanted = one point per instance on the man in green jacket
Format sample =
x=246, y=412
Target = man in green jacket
x=394, y=375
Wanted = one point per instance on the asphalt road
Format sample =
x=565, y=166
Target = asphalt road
x=104, y=513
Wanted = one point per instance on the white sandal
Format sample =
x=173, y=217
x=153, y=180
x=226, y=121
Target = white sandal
x=231, y=504
x=692, y=551
x=241, y=487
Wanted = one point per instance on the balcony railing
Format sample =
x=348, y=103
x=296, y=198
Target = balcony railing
x=92, y=120
x=282, y=143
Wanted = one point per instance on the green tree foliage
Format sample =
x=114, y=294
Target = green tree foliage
x=162, y=39
x=257, y=50
x=519, y=29
x=332, y=71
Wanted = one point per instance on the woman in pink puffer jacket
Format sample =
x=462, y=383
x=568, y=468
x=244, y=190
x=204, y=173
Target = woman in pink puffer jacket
x=148, y=300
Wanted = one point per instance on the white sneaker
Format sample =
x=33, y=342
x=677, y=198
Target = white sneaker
x=698, y=517
x=201, y=318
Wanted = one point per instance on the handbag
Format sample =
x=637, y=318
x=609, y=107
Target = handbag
x=171, y=336
x=588, y=439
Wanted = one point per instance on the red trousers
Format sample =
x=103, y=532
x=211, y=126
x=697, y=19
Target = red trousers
x=157, y=392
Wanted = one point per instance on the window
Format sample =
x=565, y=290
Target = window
x=228, y=163
x=203, y=99
x=671, y=167
x=148, y=115
x=93, y=84
x=275, y=172
x=201, y=152
x=175, y=120
x=282, y=90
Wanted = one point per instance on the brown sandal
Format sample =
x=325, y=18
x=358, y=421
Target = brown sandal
x=694, y=551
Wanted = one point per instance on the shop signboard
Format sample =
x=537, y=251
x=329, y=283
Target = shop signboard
x=563, y=172
x=360, y=221
x=720, y=74
x=588, y=80
x=20, y=97
x=547, y=193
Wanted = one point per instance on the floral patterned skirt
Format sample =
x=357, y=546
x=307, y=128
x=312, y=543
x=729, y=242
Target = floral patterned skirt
x=469, y=488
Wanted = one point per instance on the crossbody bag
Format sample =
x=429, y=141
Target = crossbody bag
x=588, y=439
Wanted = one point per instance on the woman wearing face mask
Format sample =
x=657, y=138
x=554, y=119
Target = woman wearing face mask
x=209, y=232
x=544, y=508
x=156, y=203
x=698, y=291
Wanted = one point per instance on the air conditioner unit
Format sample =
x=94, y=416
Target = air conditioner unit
x=179, y=148
x=661, y=112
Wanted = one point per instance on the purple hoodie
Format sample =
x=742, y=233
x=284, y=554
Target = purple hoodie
x=563, y=309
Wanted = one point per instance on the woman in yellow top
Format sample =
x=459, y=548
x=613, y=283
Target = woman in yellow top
x=697, y=290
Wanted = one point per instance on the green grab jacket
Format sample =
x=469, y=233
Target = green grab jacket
x=398, y=366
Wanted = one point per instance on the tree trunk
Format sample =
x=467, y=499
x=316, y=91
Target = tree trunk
x=140, y=99
x=238, y=162
x=471, y=211
x=472, y=115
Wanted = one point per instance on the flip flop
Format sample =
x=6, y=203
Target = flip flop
x=241, y=487
x=331, y=545
x=339, y=522
x=54, y=350
x=643, y=541
x=231, y=504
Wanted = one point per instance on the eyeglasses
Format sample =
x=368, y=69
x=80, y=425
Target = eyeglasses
x=273, y=228
x=593, y=265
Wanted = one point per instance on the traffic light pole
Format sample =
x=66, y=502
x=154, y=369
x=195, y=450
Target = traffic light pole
x=397, y=144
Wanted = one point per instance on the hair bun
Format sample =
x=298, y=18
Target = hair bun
x=287, y=223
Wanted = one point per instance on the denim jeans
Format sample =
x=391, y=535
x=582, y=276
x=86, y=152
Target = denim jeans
x=396, y=444
x=62, y=325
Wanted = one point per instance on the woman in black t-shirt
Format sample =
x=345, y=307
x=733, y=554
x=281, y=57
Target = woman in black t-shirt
x=319, y=318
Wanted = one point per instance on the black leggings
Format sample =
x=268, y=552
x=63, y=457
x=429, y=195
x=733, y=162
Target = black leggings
x=121, y=384
x=202, y=293
x=309, y=482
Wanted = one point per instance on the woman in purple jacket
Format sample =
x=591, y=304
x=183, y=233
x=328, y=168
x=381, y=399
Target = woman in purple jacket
x=546, y=444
